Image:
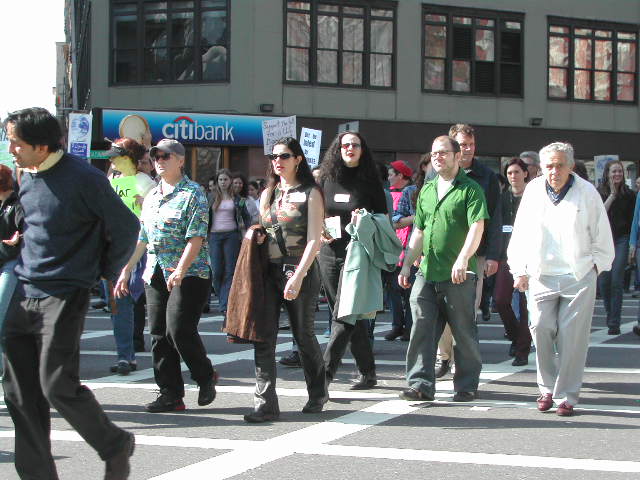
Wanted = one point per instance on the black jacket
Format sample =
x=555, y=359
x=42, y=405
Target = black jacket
x=11, y=217
x=491, y=244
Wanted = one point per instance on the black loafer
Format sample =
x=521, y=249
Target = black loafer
x=443, y=369
x=207, y=393
x=365, y=382
x=261, y=417
x=117, y=467
x=315, y=406
x=413, y=395
x=520, y=361
x=464, y=397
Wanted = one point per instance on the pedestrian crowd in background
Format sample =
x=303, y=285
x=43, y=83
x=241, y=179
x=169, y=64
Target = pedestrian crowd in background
x=437, y=245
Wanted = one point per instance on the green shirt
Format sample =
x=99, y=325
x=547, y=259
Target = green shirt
x=445, y=224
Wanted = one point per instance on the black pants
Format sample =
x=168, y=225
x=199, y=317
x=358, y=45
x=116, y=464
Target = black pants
x=301, y=317
x=41, y=340
x=173, y=323
x=139, y=319
x=343, y=333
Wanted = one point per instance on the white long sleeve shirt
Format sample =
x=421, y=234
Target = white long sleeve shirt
x=584, y=241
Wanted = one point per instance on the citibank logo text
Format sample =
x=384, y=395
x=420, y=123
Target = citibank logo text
x=184, y=128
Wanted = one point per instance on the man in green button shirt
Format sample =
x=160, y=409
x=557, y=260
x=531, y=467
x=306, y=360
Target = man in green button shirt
x=448, y=226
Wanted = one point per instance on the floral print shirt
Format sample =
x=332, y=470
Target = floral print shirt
x=168, y=222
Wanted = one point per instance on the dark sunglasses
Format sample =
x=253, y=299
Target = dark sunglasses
x=161, y=156
x=283, y=156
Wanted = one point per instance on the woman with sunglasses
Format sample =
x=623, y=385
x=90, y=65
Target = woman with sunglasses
x=228, y=219
x=350, y=181
x=173, y=232
x=291, y=210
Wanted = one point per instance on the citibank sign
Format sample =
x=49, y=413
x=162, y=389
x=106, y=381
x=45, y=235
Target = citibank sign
x=149, y=127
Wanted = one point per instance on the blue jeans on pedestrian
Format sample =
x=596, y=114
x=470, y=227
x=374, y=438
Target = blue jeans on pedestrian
x=433, y=304
x=8, y=282
x=123, y=328
x=223, y=249
x=611, y=282
x=399, y=301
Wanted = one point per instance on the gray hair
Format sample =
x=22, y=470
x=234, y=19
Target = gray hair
x=561, y=147
x=532, y=155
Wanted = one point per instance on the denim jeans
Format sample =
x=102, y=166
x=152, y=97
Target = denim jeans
x=399, y=301
x=611, y=282
x=8, y=281
x=122, y=321
x=223, y=249
x=434, y=304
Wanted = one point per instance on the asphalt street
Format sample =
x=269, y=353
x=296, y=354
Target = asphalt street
x=369, y=434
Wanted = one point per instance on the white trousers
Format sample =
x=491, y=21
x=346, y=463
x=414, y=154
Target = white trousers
x=560, y=314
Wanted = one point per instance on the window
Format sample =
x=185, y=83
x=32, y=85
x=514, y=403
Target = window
x=347, y=44
x=592, y=61
x=469, y=51
x=172, y=41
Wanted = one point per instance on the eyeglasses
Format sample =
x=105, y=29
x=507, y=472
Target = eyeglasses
x=162, y=156
x=275, y=156
x=355, y=146
x=442, y=153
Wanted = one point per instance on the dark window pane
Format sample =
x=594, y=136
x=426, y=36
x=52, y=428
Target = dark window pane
x=381, y=36
x=430, y=17
x=582, y=53
x=378, y=12
x=327, y=32
x=122, y=8
x=126, y=31
x=156, y=65
x=485, y=45
x=125, y=66
x=433, y=74
x=219, y=3
x=214, y=64
x=380, y=67
x=327, y=66
x=182, y=4
x=462, y=20
x=626, y=90
x=510, y=43
x=485, y=22
x=352, y=68
x=602, y=90
x=297, y=68
x=353, y=10
x=328, y=8
x=558, y=83
x=511, y=79
x=352, y=34
x=559, y=51
x=626, y=57
x=184, y=66
x=435, y=41
x=214, y=27
x=182, y=29
x=604, y=55
x=582, y=85
x=155, y=6
x=155, y=30
x=461, y=76
x=484, y=80
x=462, y=43
x=298, y=30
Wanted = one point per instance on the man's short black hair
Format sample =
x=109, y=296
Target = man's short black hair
x=36, y=126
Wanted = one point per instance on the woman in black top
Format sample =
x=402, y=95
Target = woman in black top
x=291, y=210
x=349, y=179
x=619, y=201
x=517, y=327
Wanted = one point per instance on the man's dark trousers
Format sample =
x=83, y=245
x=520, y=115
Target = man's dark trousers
x=41, y=352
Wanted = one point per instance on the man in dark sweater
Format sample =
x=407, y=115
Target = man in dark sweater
x=76, y=230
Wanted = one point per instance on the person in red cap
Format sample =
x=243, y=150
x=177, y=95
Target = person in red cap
x=399, y=176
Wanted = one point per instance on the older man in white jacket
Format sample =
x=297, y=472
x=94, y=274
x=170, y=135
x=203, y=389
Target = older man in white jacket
x=561, y=241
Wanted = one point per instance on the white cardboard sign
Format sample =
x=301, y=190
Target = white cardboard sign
x=310, y=141
x=276, y=128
